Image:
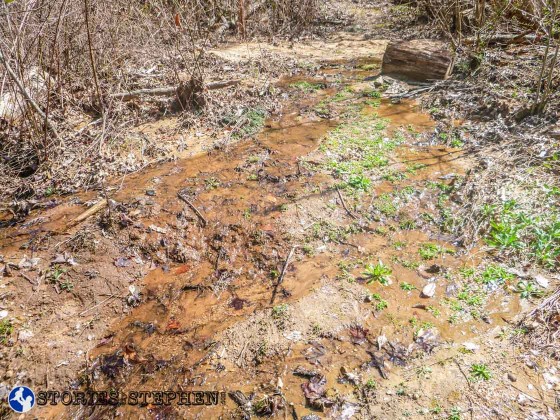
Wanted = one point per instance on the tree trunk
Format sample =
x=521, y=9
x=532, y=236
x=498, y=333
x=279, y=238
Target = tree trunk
x=419, y=59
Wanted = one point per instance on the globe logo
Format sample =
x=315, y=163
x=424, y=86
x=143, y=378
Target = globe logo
x=21, y=399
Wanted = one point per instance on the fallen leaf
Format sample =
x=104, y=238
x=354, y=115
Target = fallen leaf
x=358, y=334
x=172, y=325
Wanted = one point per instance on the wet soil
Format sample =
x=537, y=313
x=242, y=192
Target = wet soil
x=232, y=290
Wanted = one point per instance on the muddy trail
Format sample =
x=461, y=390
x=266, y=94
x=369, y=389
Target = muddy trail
x=304, y=270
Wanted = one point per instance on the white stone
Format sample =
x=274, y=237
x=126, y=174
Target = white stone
x=24, y=335
x=429, y=290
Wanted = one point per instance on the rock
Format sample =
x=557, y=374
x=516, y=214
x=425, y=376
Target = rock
x=542, y=281
x=3, y=314
x=522, y=399
x=24, y=335
x=294, y=336
x=471, y=346
x=150, y=193
x=8, y=374
x=429, y=290
x=381, y=341
x=3, y=391
x=511, y=377
x=378, y=82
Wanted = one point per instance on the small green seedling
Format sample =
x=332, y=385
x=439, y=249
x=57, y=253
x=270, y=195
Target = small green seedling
x=378, y=272
x=480, y=372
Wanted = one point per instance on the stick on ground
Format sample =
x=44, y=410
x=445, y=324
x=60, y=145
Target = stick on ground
x=193, y=208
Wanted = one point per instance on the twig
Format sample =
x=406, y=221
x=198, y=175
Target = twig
x=99, y=304
x=286, y=263
x=463, y=373
x=91, y=57
x=284, y=269
x=193, y=208
x=344, y=205
x=33, y=282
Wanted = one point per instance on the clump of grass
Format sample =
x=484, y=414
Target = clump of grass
x=407, y=286
x=385, y=205
x=378, y=272
x=357, y=147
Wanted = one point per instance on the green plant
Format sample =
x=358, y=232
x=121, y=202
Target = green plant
x=371, y=94
x=359, y=182
x=307, y=86
x=370, y=384
x=434, y=311
x=495, y=274
x=385, y=205
x=6, y=329
x=280, y=311
x=212, y=183
x=454, y=414
x=378, y=272
x=429, y=251
x=407, y=224
x=527, y=290
x=407, y=286
x=380, y=304
x=480, y=372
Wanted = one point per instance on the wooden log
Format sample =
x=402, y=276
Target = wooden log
x=419, y=59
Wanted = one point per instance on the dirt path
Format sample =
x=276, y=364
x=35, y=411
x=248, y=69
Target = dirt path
x=307, y=268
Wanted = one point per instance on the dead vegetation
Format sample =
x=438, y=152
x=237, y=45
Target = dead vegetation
x=63, y=65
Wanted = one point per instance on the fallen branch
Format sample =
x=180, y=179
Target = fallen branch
x=169, y=90
x=193, y=208
x=89, y=212
x=505, y=39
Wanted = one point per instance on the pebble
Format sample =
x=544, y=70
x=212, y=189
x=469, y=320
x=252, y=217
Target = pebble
x=24, y=335
x=8, y=374
x=511, y=377
x=542, y=281
x=150, y=193
x=429, y=290
x=3, y=314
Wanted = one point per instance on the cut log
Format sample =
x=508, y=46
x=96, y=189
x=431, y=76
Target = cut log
x=419, y=59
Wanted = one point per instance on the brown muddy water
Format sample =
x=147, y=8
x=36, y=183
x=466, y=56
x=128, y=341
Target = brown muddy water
x=223, y=310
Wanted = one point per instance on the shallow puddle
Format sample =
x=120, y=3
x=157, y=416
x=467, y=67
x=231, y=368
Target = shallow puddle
x=225, y=275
